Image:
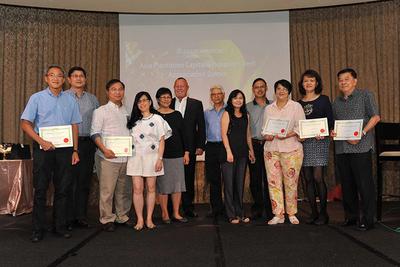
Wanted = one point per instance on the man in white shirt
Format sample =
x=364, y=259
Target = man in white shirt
x=193, y=117
x=111, y=120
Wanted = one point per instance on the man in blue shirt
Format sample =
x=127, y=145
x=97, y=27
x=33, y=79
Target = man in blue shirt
x=214, y=146
x=51, y=107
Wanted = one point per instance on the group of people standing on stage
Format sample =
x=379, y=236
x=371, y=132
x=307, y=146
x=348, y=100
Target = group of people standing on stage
x=165, y=143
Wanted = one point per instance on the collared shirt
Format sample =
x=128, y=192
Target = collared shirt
x=213, y=124
x=110, y=120
x=293, y=112
x=256, y=113
x=359, y=105
x=181, y=105
x=87, y=104
x=46, y=109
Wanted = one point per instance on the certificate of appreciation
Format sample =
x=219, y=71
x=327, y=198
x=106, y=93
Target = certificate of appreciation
x=59, y=136
x=120, y=145
x=313, y=127
x=348, y=129
x=276, y=127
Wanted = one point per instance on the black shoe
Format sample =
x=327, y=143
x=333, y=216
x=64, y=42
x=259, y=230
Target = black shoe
x=256, y=215
x=312, y=220
x=167, y=221
x=348, y=222
x=82, y=224
x=322, y=219
x=69, y=227
x=109, y=227
x=182, y=220
x=62, y=234
x=128, y=223
x=191, y=214
x=37, y=236
x=364, y=227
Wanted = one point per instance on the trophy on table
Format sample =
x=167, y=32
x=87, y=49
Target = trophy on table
x=4, y=150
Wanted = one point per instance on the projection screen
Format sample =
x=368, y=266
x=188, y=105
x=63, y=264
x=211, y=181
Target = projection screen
x=227, y=49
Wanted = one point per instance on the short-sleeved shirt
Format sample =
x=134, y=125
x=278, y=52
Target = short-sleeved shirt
x=212, y=118
x=256, y=113
x=110, y=120
x=359, y=105
x=293, y=112
x=147, y=133
x=87, y=104
x=46, y=109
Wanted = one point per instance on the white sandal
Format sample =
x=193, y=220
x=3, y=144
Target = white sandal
x=276, y=220
x=293, y=219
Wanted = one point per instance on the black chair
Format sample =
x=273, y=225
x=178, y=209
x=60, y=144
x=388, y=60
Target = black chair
x=387, y=137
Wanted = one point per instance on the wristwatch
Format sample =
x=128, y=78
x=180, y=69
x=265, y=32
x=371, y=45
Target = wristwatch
x=76, y=150
x=160, y=158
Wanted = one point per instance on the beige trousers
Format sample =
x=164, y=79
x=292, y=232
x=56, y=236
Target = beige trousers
x=114, y=187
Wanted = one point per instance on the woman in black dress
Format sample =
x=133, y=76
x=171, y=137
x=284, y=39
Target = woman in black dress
x=176, y=155
x=316, y=150
x=236, y=137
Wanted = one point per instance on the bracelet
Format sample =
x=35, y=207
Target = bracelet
x=76, y=150
x=160, y=158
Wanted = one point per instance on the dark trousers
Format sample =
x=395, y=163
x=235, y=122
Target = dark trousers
x=52, y=165
x=81, y=177
x=355, y=171
x=258, y=182
x=233, y=175
x=213, y=175
x=188, y=196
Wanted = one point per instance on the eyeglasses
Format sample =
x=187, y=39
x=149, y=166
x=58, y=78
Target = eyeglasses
x=165, y=97
x=143, y=100
x=52, y=75
x=216, y=94
x=114, y=90
x=78, y=76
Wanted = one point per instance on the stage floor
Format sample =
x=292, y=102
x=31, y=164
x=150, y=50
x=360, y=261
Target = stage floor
x=205, y=242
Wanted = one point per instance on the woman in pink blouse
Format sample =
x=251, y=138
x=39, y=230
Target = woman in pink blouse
x=283, y=154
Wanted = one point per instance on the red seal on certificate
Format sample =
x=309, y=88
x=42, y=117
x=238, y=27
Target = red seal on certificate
x=282, y=130
x=66, y=140
x=322, y=130
x=126, y=150
x=355, y=133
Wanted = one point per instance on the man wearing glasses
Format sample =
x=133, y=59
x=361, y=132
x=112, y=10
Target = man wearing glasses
x=51, y=107
x=214, y=146
x=258, y=177
x=83, y=171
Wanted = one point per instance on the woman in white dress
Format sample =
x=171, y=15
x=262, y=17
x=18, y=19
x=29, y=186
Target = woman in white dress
x=149, y=131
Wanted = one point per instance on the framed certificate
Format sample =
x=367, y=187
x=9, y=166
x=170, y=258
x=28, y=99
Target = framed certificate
x=348, y=129
x=276, y=127
x=59, y=136
x=313, y=127
x=120, y=145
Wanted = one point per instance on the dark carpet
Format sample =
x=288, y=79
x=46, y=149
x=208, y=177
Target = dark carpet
x=207, y=242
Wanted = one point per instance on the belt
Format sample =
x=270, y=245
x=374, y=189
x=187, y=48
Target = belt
x=260, y=142
x=84, y=138
x=214, y=143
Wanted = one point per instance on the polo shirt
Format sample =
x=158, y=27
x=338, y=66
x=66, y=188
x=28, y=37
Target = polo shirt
x=46, y=109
